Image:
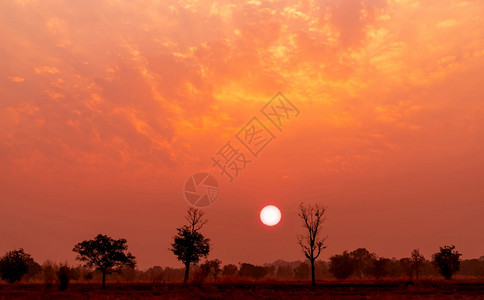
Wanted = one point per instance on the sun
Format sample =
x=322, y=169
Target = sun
x=270, y=215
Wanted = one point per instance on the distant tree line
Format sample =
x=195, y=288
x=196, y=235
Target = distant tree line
x=105, y=257
x=361, y=263
x=212, y=270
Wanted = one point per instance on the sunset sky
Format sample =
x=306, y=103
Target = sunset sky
x=107, y=107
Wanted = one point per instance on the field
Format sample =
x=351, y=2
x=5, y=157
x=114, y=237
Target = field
x=387, y=289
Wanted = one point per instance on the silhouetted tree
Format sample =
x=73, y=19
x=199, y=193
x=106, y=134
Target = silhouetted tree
x=447, y=261
x=341, y=266
x=249, y=270
x=406, y=264
x=35, y=270
x=322, y=269
x=105, y=254
x=189, y=244
x=127, y=273
x=394, y=269
x=302, y=271
x=64, y=275
x=473, y=267
x=417, y=260
x=285, y=271
x=363, y=261
x=210, y=268
x=172, y=274
x=270, y=269
x=230, y=270
x=154, y=274
x=313, y=218
x=380, y=267
x=49, y=272
x=15, y=264
x=428, y=269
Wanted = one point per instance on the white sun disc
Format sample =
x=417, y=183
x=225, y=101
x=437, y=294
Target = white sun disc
x=270, y=215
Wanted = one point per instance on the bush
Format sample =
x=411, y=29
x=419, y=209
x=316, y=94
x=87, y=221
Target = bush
x=15, y=264
x=64, y=276
x=341, y=266
x=302, y=271
x=447, y=261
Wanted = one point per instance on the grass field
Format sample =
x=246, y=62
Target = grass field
x=430, y=289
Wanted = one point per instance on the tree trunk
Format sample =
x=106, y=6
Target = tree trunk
x=104, y=279
x=187, y=272
x=313, y=277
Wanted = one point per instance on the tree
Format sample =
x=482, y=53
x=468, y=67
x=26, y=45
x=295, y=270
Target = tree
x=394, y=268
x=406, y=264
x=313, y=217
x=189, y=245
x=322, y=269
x=49, y=272
x=380, y=267
x=447, y=261
x=472, y=267
x=249, y=270
x=154, y=274
x=417, y=260
x=341, y=266
x=230, y=270
x=363, y=261
x=64, y=275
x=15, y=264
x=105, y=254
x=210, y=268
x=302, y=271
x=285, y=271
x=35, y=271
x=270, y=269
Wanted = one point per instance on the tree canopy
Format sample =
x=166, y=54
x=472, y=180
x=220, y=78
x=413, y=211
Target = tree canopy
x=341, y=266
x=105, y=254
x=189, y=245
x=447, y=261
x=15, y=264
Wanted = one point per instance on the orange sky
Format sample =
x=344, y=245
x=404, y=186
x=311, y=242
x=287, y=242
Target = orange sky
x=108, y=106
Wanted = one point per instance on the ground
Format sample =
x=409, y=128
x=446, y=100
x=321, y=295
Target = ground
x=385, y=289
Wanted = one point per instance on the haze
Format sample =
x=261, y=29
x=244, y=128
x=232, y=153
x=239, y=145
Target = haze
x=107, y=107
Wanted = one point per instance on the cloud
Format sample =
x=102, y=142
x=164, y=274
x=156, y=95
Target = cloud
x=104, y=97
x=122, y=84
x=46, y=69
x=447, y=23
x=15, y=79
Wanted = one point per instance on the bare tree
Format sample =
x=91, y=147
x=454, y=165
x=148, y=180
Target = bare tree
x=195, y=219
x=313, y=217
